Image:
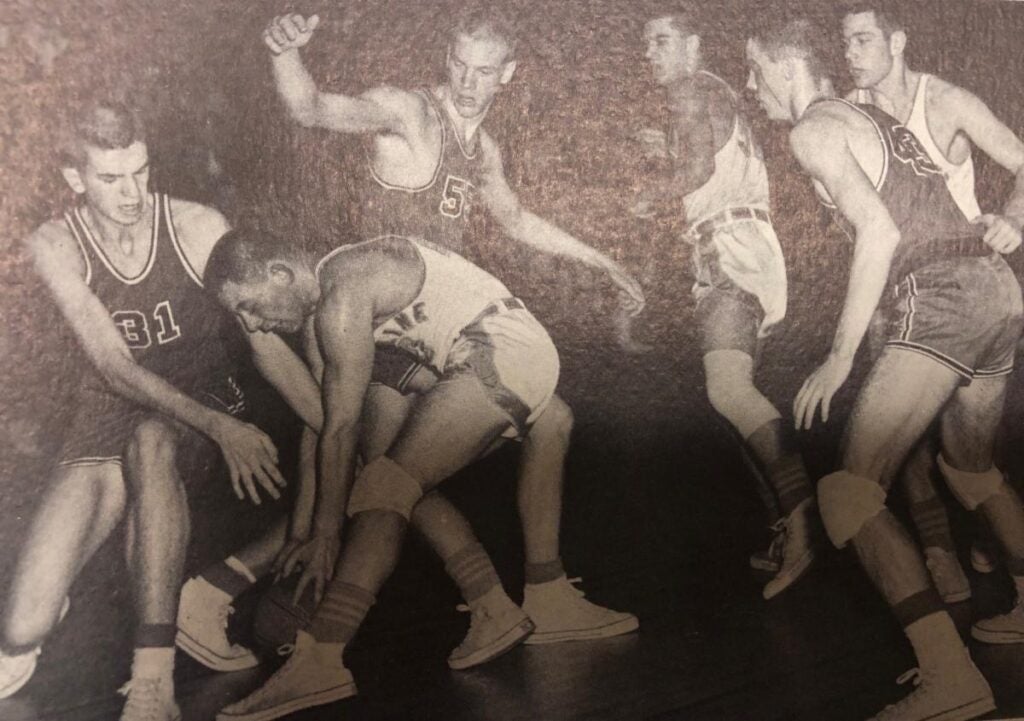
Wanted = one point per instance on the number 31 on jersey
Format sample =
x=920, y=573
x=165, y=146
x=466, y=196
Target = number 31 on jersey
x=136, y=329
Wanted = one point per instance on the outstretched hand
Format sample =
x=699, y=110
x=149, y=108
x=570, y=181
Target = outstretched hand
x=1002, y=233
x=289, y=32
x=624, y=317
x=819, y=389
x=251, y=458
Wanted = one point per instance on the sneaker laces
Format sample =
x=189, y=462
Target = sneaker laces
x=142, y=699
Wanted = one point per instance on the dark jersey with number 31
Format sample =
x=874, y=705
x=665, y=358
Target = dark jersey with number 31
x=170, y=324
x=438, y=211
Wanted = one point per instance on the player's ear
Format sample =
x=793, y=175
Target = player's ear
x=897, y=42
x=73, y=178
x=508, y=71
x=280, y=273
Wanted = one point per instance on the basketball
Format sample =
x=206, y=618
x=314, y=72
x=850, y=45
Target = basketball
x=277, y=619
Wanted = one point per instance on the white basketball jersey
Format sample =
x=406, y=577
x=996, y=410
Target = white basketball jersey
x=740, y=179
x=959, y=176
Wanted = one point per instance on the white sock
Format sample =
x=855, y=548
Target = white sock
x=153, y=663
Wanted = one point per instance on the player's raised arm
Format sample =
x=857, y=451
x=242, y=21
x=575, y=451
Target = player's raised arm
x=820, y=145
x=530, y=229
x=378, y=110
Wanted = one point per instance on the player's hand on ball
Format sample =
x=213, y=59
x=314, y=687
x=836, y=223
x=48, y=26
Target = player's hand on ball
x=819, y=388
x=317, y=556
x=283, y=560
x=1002, y=233
x=289, y=32
x=251, y=457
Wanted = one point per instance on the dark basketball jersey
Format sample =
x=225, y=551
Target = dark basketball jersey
x=171, y=325
x=914, y=190
x=438, y=211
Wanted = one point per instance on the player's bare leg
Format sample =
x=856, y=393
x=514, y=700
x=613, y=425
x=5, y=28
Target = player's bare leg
x=969, y=428
x=732, y=393
x=497, y=624
x=556, y=607
x=450, y=426
x=901, y=397
x=161, y=528
x=928, y=512
x=82, y=505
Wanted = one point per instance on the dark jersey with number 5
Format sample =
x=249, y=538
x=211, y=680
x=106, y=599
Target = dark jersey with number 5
x=171, y=325
x=438, y=211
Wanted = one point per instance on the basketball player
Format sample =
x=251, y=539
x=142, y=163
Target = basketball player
x=947, y=120
x=954, y=315
x=124, y=268
x=497, y=369
x=431, y=160
x=716, y=175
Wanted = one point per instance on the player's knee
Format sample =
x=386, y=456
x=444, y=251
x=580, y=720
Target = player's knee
x=153, y=443
x=555, y=424
x=384, y=485
x=847, y=502
x=971, y=489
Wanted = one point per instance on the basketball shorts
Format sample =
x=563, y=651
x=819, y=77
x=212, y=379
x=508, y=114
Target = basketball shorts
x=103, y=421
x=513, y=356
x=965, y=313
x=400, y=370
x=728, y=317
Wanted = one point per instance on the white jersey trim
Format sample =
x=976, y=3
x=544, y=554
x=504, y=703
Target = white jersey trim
x=106, y=261
x=81, y=247
x=172, y=231
x=437, y=166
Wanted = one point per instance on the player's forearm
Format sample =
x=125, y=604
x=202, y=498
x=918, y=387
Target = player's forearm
x=305, y=500
x=546, y=237
x=1014, y=207
x=290, y=377
x=296, y=87
x=128, y=379
x=869, y=273
x=336, y=453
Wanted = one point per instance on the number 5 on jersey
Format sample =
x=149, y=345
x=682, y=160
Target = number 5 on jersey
x=135, y=328
x=456, y=199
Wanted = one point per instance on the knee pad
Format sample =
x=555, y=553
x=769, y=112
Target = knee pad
x=384, y=486
x=971, y=489
x=846, y=502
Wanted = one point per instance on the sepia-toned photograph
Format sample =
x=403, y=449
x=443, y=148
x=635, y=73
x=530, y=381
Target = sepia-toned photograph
x=511, y=360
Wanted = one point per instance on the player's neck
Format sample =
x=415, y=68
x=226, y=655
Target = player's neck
x=898, y=88
x=809, y=93
x=466, y=127
x=124, y=239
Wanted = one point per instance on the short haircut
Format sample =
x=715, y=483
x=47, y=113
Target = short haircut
x=104, y=123
x=241, y=256
x=483, y=19
x=684, y=16
x=887, y=14
x=797, y=37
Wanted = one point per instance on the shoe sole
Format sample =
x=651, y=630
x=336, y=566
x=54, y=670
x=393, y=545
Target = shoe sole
x=965, y=712
x=618, y=628
x=501, y=645
x=314, y=699
x=764, y=565
x=996, y=637
x=208, y=658
x=19, y=683
x=795, y=573
x=982, y=567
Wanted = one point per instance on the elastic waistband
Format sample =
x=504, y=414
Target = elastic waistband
x=728, y=217
x=933, y=251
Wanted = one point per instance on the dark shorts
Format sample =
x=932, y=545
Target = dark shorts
x=401, y=370
x=728, y=316
x=965, y=313
x=103, y=422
